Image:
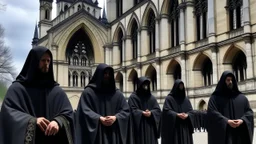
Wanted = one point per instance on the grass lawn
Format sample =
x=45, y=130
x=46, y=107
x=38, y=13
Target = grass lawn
x=2, y=91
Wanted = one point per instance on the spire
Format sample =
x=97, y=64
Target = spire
x=35, y=39
x=104, y=16
x=96, y=2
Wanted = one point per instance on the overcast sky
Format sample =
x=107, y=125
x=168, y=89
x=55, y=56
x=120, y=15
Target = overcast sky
x=19, y=19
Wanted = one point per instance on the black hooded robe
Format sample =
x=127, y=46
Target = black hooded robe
x=95, y=102
x=146, y=129
x=225, y=105
x=175, y=130
x=35, y=95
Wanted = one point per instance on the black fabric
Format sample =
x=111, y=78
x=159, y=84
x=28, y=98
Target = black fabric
x=200, y=120
x=224, y=105
x=97, y=101
x=27, y=100
x=146, y=129
x=175, y=130
x=30, y=74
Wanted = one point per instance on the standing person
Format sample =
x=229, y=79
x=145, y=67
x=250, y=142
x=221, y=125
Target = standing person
x=230, y=118
x=103, y=113
x=145, y=113
x=35, y=109
x=177, y=117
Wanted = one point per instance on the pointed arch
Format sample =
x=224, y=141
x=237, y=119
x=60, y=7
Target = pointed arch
x=132, y=80
x=134, y=18
x=166, y=6
x=170, y=68
x=150, y=7
x=231, y=52
x=173, y=72
x=119, y=81
x=74, y=100
x=202, y=105
x=96, y=34
x=198, y=63
x=152, y=75
x=202, y=69
x=119, y=27
x=235, y=60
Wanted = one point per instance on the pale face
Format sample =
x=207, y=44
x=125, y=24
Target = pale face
x=229, y=82
x=45, y=63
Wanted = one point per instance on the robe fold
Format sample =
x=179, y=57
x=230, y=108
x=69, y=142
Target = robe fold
x=174, y=129
x=95, y=102
x=224, y=105
x=146, y=129
x=31, y=96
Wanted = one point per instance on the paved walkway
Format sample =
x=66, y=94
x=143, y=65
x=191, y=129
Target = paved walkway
x=201, y=138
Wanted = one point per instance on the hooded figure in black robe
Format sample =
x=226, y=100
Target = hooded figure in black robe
x=146, y=114
x=34, y=105
x=102, y=113
x=229, y=116
x=177, y=117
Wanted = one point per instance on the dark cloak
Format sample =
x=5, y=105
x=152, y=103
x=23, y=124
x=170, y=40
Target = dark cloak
x=96, y=101
x=34, y=95
x=175, y=130
x=226, y=104
x=146, y=129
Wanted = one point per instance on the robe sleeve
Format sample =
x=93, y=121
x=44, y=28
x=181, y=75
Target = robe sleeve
x=191, y=117
x=136, y=113
x=17, y=126
x=168, y=121
x=216, y=123
x=87, y=120
x=248, y=120
x=122, y=118
x=156, y=116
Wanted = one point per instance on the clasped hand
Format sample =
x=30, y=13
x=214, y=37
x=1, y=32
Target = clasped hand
x=235, y=123
x=146, y=113
x=108, y=120
x=182, y=115
x=49, y=128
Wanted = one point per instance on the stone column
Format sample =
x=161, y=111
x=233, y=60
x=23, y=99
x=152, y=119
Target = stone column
x=79, y=80
x=164, y=33
x=129, y=48
x=183, y=69
x=107, y=55
x=214, y=65
x=248, y=48
x=116, y=54
x=157, y=37
x=139, y=46
x=190, y=24
x=124, y=52
x=246, y=16
x=182, y=26
x=124, y=72
x=139, y=69
x=211, y=18
x=158, y=77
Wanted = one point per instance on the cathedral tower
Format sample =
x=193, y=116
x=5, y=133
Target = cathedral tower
x=45, y=16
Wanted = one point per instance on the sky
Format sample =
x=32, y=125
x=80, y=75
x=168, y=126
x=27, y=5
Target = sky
x=19, y=19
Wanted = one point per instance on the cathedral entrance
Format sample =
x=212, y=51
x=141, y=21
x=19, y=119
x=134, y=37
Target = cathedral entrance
x=80, y=58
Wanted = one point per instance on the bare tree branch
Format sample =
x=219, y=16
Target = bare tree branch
x=7, y=71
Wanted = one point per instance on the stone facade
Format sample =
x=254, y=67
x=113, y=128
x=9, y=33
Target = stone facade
x=163, y=40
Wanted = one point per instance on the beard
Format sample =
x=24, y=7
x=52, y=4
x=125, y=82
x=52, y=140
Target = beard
x=230, y=86
x=44, y=69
